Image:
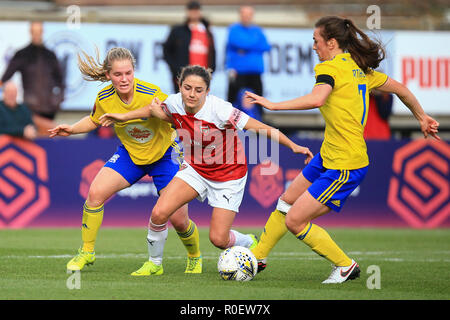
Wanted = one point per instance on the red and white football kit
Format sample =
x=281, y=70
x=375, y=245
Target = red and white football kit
x=214, y=158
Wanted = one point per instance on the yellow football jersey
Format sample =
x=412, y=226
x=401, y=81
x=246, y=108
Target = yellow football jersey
x=146, y=140
x=345, y=111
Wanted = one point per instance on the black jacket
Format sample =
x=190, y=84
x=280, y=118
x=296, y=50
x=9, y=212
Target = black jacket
x=42, y=78
x=176, y=47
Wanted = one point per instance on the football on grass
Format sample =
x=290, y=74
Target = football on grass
x=238, y=264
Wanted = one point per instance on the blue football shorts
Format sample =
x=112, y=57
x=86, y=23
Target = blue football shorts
x=332, y=187
x=162, y=171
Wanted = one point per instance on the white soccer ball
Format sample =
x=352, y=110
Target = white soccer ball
x=237, y=263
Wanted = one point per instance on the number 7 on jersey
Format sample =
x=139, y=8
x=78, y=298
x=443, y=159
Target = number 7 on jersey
x=363, y=88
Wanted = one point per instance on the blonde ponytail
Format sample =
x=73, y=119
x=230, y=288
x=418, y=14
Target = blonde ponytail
x=94, y=70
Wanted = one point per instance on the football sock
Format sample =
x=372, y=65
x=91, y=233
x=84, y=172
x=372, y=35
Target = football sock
x=274, y=230
x=91, y=222
x=320, y=242
x=239, y=239
x=191, y=240
x=156, y=239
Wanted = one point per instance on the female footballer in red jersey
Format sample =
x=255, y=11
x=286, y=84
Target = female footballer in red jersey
x=344, y=79
x=214, y=164
x=146, y=149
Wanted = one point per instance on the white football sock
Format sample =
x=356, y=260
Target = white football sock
x=239, y=239
x=156, y=239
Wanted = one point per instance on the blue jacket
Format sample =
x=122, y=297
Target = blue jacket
x=245, y=48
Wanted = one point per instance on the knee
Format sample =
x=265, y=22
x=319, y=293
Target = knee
x=180, y=219
x=95, y=197
x=290, y=223
x=220, y=241
x=295, y=225
x=159, y=215
x=180, y=224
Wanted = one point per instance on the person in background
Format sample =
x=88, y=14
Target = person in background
x=380, y=109
x=249, y=108
x=190, y=43
x=15, y=119
x=245, y=49
x=42, y=79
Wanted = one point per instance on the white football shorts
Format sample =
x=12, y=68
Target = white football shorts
x=227, y=194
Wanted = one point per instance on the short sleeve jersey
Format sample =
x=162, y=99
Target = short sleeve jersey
x=345, y=111
x=210, y=141
x=147, y=139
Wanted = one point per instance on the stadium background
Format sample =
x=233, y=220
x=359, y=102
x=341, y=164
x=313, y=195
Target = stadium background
x=43, y=183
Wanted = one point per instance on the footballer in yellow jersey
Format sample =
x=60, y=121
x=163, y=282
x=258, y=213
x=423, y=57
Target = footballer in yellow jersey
x=146, y=140
x=345, y=111
x=344, y=79
x=148, y=147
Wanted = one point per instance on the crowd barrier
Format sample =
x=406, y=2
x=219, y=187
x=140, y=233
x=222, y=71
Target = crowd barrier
x=44, y=184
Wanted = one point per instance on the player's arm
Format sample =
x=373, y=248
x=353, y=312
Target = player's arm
x=154, y=109
x=428, y=125
x=315, y=99
x=83, y=126
x=276, y=135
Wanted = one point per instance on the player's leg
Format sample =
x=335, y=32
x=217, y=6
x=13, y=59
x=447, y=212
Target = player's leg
x=176, y=194
x=220, y=233
x=105, y=184
x=188, y=233
x=327, y=192
x=225, y=198
x=118, y=173
x=275, y=227
x=298, y=221
x=163, y=172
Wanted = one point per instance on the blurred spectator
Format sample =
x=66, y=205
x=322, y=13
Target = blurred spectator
x=190, y=43
x=42, y=79
x=380, y=109
x=244, y=105
x=15, y=119
x=244, y=55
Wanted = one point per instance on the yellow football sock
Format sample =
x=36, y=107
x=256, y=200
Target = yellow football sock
x=320, y=242
x=191, y=240
x=274, y=230
x=92, y=220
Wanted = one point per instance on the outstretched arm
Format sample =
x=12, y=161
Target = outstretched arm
x=428, y=125
x=277, y=135
x=152, y=110
x=315, y=99
x=64, y=130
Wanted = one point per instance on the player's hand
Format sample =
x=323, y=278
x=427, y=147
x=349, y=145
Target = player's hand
x=63, y=130
x=303, y=150
x=429, y=126
x=251, y=97
x=155, y=106
x=109, y=119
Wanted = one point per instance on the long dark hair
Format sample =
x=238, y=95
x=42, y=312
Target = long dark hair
x=366, y=52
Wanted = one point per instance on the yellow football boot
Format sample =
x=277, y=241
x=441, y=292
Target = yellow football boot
x=255, y=241
x=149, y=269
x=194, y=265
x=82, y=259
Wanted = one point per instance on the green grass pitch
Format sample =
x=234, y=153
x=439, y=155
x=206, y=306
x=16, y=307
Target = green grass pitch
x=413, y=264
